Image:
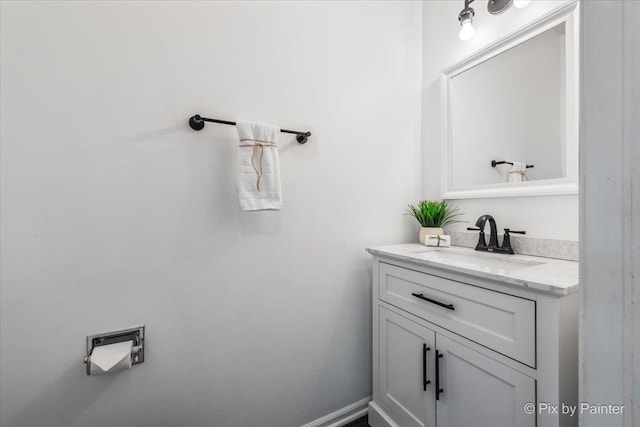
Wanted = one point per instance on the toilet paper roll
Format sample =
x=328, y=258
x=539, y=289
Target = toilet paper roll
x=111, y=358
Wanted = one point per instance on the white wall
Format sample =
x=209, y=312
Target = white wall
x=115, y=213
x=551, y=216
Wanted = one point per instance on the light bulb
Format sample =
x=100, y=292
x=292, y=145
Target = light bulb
x=521, y=3
x=466, y=32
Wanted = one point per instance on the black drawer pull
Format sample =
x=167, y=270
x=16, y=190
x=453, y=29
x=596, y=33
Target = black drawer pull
x=432, y=301
x=425, y=381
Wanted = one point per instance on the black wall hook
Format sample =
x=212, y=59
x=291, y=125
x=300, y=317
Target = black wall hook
x=197, y=123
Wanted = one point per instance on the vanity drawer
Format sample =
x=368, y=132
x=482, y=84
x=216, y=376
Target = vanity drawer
x=504, y=323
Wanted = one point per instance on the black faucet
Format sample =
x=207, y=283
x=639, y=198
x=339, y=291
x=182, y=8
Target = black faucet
x=493, y=237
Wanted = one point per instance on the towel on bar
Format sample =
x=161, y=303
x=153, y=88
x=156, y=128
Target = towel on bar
x=259, y=185
x=518, y=172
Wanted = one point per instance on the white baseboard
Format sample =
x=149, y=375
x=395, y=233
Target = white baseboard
x=377, y=417
x=342, y=416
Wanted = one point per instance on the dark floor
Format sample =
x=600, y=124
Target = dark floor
x=360, y=422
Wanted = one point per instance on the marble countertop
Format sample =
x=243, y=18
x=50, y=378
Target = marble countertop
x=547, y=275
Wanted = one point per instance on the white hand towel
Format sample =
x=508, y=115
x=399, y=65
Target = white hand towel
x=259, y=185
x=518, y=172
x=442, y=241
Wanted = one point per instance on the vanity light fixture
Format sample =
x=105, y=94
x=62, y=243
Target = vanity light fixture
x=521, y=3
x=495, y=7
x=466, y=18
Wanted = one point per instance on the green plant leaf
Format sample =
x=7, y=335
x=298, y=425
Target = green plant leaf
x=434, y=213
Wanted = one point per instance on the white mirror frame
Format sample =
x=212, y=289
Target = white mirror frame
x=569, y=14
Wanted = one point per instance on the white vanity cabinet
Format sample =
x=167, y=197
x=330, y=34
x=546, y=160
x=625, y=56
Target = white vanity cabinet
x=454, y=349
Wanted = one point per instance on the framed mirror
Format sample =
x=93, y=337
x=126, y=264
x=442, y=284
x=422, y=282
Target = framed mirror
x=510, y=114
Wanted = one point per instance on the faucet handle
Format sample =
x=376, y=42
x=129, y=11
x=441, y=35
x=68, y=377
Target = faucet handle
x=482, y=243
x=507, y=231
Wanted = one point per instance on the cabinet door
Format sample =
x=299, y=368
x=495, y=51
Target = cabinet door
x=479, y=391
x=405, y=366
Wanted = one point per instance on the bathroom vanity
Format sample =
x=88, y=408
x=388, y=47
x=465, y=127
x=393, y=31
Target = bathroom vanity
x=469, y=339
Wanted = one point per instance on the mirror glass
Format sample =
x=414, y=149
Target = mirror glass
x=511, y=108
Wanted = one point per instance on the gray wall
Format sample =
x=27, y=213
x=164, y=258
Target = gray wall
x=115, y=213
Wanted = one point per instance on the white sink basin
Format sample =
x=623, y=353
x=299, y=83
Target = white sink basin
x=477, y=260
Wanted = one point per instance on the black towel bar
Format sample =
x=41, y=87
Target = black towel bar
x=494, y=163
x=197, y=123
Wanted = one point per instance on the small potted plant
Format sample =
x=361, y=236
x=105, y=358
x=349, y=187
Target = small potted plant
x=433, y=215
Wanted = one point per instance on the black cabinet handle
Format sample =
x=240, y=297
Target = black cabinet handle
x=439, y=390
x=432, y=301
x=425, y=381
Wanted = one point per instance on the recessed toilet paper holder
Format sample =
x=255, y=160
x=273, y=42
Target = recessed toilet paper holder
x=135, y=334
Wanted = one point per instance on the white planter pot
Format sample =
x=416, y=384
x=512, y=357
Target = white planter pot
x=426, y=231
